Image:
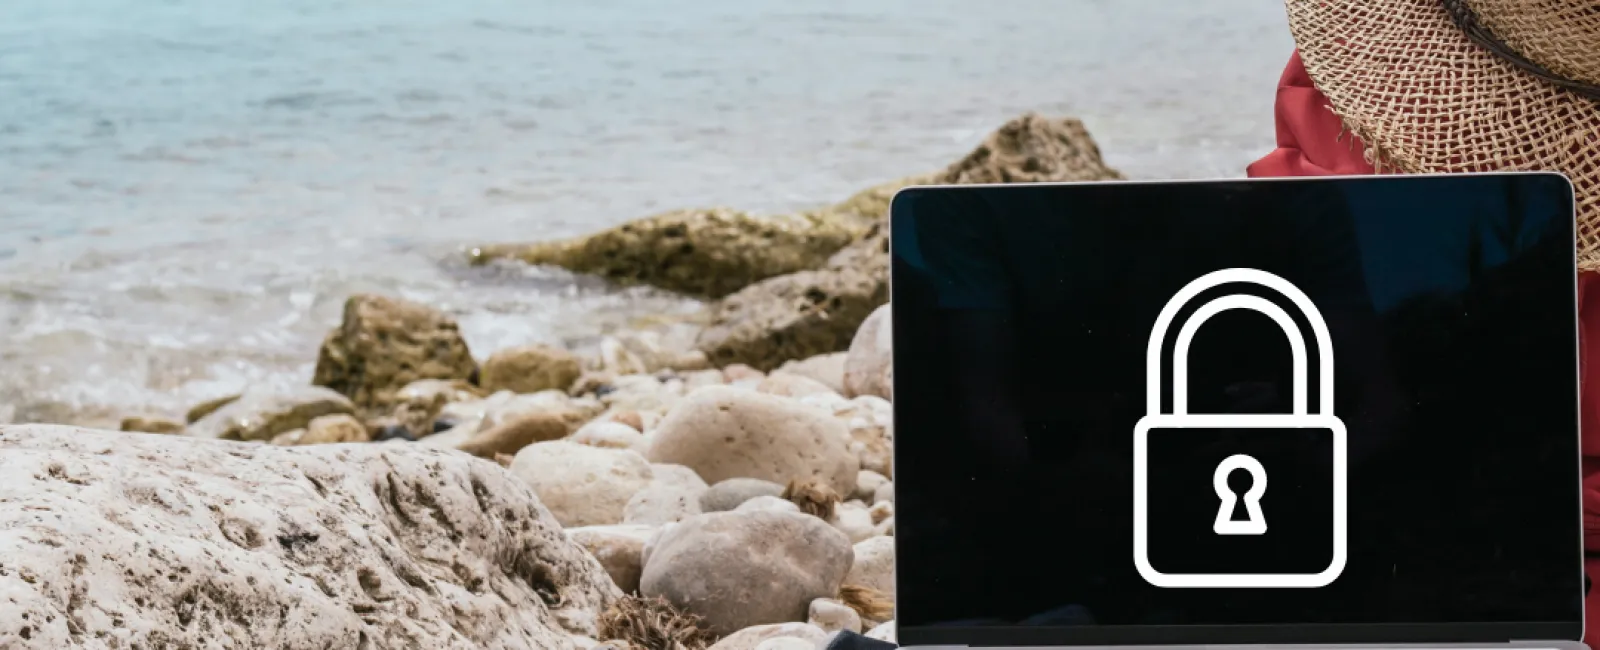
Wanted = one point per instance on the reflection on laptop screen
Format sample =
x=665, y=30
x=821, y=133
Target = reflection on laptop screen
x=1358, y=422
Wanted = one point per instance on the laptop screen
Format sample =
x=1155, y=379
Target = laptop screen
x=1358, y=423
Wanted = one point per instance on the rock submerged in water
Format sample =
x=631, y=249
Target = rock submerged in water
x=385, y=343
x=723, y=432
x=160, y=541
x=263, y=413
x=703, y=252
x=739, y=569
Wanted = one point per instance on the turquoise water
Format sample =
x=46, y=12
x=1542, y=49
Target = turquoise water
x=190, y=188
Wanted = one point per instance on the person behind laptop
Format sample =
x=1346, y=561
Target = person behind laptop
x=1450, y=86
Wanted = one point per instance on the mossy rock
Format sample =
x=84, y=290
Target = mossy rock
x=709, y=253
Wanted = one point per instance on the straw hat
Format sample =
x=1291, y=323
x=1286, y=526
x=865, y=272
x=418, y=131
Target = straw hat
x=1465, y=85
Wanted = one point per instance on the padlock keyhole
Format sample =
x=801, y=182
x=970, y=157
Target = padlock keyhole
x=1235, y=491
x=1239, y=482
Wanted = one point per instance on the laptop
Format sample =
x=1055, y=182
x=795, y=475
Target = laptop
x=1302, y=412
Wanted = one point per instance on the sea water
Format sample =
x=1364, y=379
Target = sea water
x=189, y=189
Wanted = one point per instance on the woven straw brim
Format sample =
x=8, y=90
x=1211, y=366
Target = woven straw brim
x=1424, y=98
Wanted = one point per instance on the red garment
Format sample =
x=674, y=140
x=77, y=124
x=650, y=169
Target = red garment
x=1310, y=144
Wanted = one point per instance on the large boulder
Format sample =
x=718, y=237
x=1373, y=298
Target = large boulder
x=383, y=344
x=724, y=432
x=262, y=413
x=818, y=311
x=869, y=366
x=115, y=540
x=705, y=252
x=530, y=369
x=580, y=484
x=739, y=569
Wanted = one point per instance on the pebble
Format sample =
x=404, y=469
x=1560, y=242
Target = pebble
x=741, y=372
x=330, y=429
x=739, y=569
x=881, y=512
x=854, y=520
x=787, y=643
x=582, y=485
x=867, y=484
x=768, y=503
x=826, y=368
x=262, y=413
x=608, y=434
x=673, y=494
x=884, y=632
x=530, y=369
x=831, y=616
x=512, y=436
x=731, y=493
x=884, y=494
x=725, y=433
x=874, y=565
x=869, y=366
x=752, y=637
x=619, y=548
x=787, y=385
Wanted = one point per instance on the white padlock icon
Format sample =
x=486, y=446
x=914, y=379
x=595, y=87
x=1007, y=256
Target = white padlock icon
x=1299, y=418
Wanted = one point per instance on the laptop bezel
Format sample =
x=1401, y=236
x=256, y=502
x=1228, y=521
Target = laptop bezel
x=1542, y=634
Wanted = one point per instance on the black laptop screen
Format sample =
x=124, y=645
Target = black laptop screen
x=1023, y=317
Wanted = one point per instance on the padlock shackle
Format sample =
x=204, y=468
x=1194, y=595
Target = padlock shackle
x=1180, y=364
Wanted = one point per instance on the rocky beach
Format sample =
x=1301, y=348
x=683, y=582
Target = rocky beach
x=722, y=481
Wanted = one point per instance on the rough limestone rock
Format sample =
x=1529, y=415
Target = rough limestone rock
x=818, y=311
x=826, y=368
x=151, y=424
x=752, y=637
x=620, y=549
x=383, y=344
x=724, y=432
x=262, y=413
x=731, y=493
x=334, y=429
x=802, y=314
x=869, y=367
x=582, y=485
x=874, y=565
x=704, y=252
x=115, y=541
x=1032, y=148
x=738, y=569
x=207, y=408
x=530, y=369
